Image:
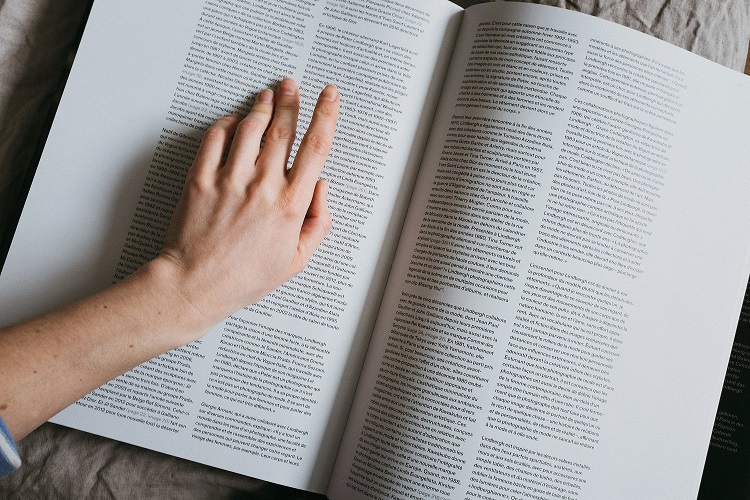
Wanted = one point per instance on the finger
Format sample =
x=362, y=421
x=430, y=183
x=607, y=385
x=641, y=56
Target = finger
x=209, y=157
x=316, y=144
x=316, y=225
x=246, y=142
x=281, y=133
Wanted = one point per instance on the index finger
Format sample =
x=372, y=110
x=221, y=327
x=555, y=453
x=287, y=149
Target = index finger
x=316, y=144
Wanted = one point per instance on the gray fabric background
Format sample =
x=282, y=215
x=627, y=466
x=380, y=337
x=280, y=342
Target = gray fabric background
x=37, y=44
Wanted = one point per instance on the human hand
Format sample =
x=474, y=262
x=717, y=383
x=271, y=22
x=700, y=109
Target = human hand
x=246, y=224
x=243, y=226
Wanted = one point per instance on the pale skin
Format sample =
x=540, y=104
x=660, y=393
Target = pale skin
x=243, y=227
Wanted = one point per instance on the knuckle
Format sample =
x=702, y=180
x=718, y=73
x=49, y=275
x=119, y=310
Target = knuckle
x=252, y=125
x=278, y=132
x=198, y=185
x=317, y=143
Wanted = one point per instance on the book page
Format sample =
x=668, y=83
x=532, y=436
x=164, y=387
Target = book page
x=265, y=393
x=561, y=309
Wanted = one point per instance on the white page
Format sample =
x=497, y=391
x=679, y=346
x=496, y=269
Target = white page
x=120, y=111
x=435, y=415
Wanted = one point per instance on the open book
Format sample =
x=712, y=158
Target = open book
x=539, y=252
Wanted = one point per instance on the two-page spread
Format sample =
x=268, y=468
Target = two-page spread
x=560, y=308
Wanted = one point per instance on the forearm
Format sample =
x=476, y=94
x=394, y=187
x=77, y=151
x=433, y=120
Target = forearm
x=49, y=362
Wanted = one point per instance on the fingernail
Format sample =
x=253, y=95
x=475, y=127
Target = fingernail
x=287, y=87
x=266, y=96
x=330, y=92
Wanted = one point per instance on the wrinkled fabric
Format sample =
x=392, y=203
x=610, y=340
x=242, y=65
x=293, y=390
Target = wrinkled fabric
x=37, y=44
x=718, y=30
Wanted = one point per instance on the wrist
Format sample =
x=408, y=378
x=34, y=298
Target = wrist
x=173, y=303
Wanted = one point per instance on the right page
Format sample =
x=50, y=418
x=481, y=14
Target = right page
x=561, y=310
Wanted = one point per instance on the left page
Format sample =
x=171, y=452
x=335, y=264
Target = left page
x=266, y=392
